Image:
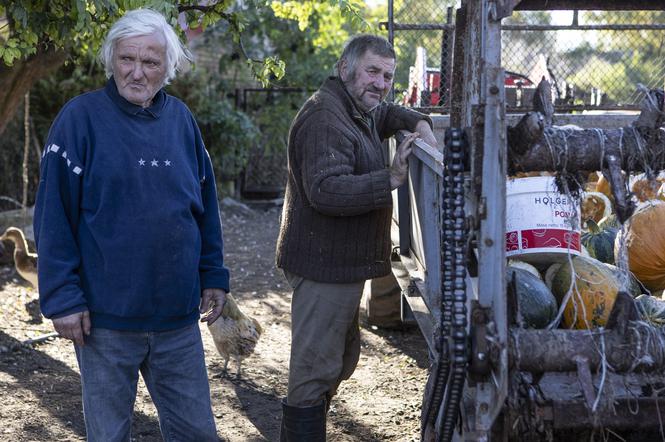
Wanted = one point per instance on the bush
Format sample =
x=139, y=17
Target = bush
x=229, y=134
x=46, y=99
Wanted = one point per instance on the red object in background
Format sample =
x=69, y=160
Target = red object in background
x=515, y=79
x=433, y=84
x=431, y=95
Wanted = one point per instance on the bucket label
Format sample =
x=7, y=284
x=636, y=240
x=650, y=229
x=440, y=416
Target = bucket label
x=542, y=239
x=540, y=221
x=548, y=200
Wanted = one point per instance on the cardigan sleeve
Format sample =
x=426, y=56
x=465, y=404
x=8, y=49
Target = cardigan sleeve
x=56, y=220
x=327, y=159
x=391, y=117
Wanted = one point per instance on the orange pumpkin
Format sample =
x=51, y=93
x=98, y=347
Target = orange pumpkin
x=594, y=292
x=645, y=244
x=603, y=186
x=645, y=190
x=592, y=181
x=660, y=195
x=595, y=206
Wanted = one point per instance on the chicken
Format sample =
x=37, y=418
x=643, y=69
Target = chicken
x=235, y=334
x=24, y=261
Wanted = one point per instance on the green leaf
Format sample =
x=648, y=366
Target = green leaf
x=8, y=58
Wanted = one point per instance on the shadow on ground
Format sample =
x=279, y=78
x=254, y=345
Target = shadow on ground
x=407, y=339
x=57, y=388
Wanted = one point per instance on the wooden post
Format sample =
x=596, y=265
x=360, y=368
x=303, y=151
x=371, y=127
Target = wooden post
x=26, y=147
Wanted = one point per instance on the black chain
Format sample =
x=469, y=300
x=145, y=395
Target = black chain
x=446, y=381
x=454, y=243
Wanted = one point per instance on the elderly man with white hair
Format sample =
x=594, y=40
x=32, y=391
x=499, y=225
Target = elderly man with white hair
x=129, y=238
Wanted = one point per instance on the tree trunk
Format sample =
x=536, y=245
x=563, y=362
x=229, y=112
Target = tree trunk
x=16, y=80
x=541, y=351
x=535, y=145
x=26, y=148
x=573, y=149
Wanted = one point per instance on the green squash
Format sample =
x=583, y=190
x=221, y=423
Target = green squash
x=524, y=266
x=609, y=221
x=535, y=302
x=550, y=272
x=651, y=309
x=600, y=242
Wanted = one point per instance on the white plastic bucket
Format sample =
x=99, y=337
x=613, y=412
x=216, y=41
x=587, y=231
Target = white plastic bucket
x=542, y=225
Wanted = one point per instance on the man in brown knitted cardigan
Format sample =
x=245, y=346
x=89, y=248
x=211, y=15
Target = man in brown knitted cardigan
x=335, y=230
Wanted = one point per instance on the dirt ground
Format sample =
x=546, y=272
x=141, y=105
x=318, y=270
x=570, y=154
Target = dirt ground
x=40, y=388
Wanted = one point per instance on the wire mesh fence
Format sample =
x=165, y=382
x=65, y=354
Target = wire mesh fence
x=594, y=59
x=272, y=110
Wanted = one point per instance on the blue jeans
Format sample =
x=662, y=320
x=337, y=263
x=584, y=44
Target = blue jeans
x=172, y=364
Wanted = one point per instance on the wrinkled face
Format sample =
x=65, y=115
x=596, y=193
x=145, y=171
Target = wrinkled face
x=371, y=80
x=139, y=67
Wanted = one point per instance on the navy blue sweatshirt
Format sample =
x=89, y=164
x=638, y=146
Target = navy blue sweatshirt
x=126, y=218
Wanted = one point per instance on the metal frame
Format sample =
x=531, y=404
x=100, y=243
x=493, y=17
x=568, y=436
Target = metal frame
x=504, y=8
x=598, y=5
x=451, y=27
x=241, y=102
x=269, y=90
x=478, y=106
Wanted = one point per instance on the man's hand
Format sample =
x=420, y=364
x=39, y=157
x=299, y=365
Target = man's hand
x=212, y=303
x=426, y=133
x=74, y=326
x=400, y=166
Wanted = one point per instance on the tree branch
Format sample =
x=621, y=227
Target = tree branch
x=16, y=80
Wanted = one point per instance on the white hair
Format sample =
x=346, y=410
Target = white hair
x=140, y=22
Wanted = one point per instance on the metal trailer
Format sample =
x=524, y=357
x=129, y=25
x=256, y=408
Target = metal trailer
x=481, y=387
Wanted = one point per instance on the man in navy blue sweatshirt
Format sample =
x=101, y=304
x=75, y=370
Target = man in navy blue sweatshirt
x=129, y=238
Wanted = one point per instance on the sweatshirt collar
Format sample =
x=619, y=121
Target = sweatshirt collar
x=154, y=110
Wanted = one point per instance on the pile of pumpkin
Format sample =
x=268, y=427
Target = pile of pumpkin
x=587, y=285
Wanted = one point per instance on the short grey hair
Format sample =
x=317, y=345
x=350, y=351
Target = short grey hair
x=356, y=47
x=140, y=22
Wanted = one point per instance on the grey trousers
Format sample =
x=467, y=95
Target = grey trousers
x=325, y=338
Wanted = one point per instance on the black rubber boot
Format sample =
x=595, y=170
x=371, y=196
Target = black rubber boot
x=303, y=424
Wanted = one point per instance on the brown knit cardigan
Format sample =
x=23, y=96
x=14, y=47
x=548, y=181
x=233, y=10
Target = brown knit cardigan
x=335, y=224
